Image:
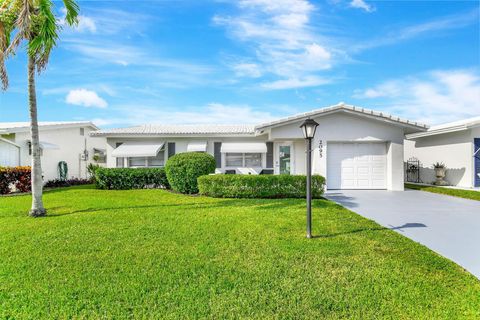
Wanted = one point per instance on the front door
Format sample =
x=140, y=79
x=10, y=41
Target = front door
x=284, y=162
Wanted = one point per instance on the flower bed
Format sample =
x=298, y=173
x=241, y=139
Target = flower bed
x=18, y=178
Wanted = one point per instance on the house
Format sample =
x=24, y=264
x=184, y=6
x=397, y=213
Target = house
x=354, y=148
x=456, y=144
x=59, y=141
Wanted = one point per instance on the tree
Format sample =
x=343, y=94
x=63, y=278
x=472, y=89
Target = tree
x=33, y=22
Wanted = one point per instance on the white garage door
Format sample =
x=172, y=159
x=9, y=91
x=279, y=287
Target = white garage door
x=356, y=166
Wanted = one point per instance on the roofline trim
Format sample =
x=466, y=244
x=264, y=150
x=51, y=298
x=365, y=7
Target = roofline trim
x=437, y=132
x=51, y=126
x=346, y=108
x=176, y=135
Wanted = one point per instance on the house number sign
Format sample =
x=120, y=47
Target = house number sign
x=320, y=148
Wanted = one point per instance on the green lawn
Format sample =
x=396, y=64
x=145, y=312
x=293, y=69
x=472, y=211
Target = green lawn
x=467, y=194
x=154, y=254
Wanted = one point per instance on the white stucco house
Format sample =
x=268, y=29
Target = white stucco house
x=60, y=141
x=456, y=144
x=354, y=148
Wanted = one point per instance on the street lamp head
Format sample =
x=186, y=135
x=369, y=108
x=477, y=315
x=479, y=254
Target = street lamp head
x=309, y=126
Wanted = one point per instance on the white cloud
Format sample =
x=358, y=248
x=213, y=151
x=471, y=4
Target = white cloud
x=251, y=70
x=86, y=24
x=85, y=98
x=283, y=42
x=429, y=28
x=109, y=21
x=361, y=4
x=435, y=97
x=309, y=81
x=212, y=113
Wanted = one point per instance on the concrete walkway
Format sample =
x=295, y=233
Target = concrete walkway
x=448, y=225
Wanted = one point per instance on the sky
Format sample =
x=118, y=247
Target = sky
x=249, y=61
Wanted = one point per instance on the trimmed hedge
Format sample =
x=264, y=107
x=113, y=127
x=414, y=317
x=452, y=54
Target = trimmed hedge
x=58, y=183
x=259, y=186
x=19, y=177
x=183, y=169
x=130, y=178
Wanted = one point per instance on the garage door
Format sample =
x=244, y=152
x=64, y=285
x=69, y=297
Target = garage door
x=356, y=166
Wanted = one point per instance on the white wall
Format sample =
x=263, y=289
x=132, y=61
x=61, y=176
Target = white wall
x=71, y=144
x=454, y=149
x=9, y=154
x=347, y=128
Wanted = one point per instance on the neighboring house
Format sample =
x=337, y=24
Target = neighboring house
x=456, y=144
x=59, y=141
x=354, y=148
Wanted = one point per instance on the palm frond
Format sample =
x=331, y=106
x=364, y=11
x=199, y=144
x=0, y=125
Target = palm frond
x=72, y=12
x=45, y=35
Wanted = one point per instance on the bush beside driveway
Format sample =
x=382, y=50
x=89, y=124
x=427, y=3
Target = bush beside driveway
x=155, y=254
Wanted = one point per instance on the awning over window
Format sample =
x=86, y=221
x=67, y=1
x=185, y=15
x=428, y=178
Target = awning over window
x=197, y=146
x=46, y=145
x=138, y=149
x=244, y=147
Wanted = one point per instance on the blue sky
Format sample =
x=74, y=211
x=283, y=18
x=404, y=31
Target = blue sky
x=248, y=61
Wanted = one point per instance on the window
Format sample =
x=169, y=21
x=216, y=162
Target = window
x=243, y=159
x=234, y=159
x=253, y=159
x=82, y=131
x=137, y=162
x=158, y=161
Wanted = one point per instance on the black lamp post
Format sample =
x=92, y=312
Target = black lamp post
x=309, y=127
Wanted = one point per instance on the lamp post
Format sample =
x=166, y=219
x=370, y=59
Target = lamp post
x=309, y=126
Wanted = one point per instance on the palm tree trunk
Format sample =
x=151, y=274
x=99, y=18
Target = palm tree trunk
x=37, y=182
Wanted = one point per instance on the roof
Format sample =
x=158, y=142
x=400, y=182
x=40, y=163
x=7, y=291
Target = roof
x=11, y=127
x=341, y=107
x=455, y=126
x=178, y=130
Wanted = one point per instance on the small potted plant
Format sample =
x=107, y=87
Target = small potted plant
x=440, y=171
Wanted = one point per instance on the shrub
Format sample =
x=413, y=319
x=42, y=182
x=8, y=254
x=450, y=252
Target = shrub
x=57, y=183
x=130, y=178
x=91, y=168
x=19, y=177
x=259, y=186
x=183, y=169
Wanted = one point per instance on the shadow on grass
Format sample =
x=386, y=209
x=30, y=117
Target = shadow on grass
x=273, y=206
x=400, y=228
x=63, y=189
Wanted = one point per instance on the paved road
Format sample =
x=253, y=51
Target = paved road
x=448, y=225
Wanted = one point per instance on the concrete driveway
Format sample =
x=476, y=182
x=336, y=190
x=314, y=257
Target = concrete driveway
x=448, y=225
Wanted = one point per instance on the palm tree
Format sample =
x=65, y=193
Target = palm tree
x=34, y=22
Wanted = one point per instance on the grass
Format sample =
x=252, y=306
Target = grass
x=154, y=254
x=467, y=194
